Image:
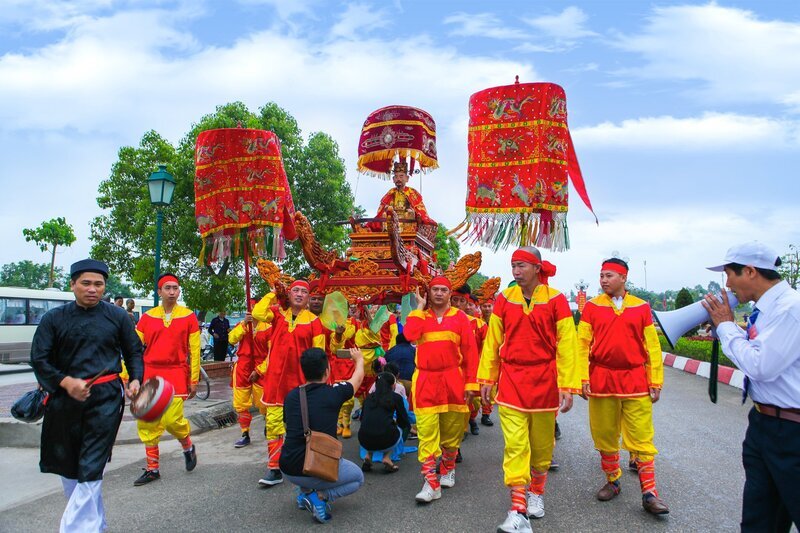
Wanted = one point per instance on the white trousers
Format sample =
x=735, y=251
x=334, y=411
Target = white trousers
x=84, y=512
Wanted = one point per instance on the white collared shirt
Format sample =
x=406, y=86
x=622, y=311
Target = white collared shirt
x=772, y=359
x=617, y=301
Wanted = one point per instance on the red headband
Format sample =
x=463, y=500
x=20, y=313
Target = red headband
x=440, y=280
x=300, y=283
x=614, y=267
x=167, y=279
x=547, y=271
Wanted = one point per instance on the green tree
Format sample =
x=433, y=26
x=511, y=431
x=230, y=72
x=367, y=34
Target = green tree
x=790, y=266
x=447, y=248
x=30, y=275
x=125, y=235
x=48, y=236
x=683, y=299
x=116, y=287
x=476, y=281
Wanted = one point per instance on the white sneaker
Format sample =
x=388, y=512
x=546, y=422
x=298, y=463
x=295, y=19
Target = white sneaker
x=448, y=480
x=535, y=505
x=427, y=494
x=515, y=523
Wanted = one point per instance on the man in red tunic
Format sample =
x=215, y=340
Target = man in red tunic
x=622, y=373
x=294, y=330
x=406, y=202
x=442, y=384
x=460, y=299
x=171, y=336
x=253, y=339
x=529, y=353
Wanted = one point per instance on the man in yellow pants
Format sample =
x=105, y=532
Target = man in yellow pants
x=294, y=330
x=252, y=337
x=620, y=361
x=443, y=383
x=171, y=336
x=529, y=352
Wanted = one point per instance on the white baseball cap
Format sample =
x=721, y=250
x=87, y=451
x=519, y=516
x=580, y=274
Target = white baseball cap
x=754, y=254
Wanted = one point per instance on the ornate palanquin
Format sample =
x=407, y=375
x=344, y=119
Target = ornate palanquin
x=379, y=267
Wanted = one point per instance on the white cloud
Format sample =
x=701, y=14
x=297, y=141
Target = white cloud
x=357, y=19
x=567, y=27
x=110, y=78
x=710, y=131
x=737, y=55
x=483, y=25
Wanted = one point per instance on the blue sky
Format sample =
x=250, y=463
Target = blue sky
x=685, y=115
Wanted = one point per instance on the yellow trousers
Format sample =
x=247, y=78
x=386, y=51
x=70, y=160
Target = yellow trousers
x=345, y=412
x=172, y=421
x=246, y=397
x=274, y=420
x=632, y=418
x=528, y=443
x=439, y=430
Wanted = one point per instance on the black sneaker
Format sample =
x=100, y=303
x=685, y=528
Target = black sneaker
x=459, y=459
x=473, y=427
x=486, y=421
x=557, y=432
x=190, y=456
x=273, y=477
x=147, y=477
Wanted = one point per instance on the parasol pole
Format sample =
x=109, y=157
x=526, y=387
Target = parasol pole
x=247, y=273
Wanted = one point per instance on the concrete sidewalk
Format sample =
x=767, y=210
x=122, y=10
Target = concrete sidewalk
x=213, y=413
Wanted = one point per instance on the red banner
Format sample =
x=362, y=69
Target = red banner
x=397, y=131
x=520, y=159
x=241, y=190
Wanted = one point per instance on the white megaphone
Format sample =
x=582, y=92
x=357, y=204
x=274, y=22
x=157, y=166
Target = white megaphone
x=673, y=324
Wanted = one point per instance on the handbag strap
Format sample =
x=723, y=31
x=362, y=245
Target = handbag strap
x=304, y=410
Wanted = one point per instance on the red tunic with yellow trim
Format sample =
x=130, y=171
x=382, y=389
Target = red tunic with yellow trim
x=480, y=328
x=530, y=350
x=403, y=200
x=618, y=349
x=172, y=347
x=446, y=360
x=252, y=351
x=281, y=370
x=389, y=333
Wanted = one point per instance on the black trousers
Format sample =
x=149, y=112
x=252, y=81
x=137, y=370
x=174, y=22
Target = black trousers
x=771, y=458
x=220, y=348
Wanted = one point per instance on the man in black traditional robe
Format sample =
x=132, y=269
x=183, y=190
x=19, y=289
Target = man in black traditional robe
x=73, y=344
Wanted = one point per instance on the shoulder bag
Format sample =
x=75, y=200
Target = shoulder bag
x=322, y=451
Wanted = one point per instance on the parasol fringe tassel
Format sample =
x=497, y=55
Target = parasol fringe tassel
x=500, y=230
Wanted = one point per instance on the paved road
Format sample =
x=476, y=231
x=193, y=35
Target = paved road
x=699, y=474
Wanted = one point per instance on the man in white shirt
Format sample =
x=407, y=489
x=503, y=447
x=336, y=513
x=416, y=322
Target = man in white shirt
x=769, y=355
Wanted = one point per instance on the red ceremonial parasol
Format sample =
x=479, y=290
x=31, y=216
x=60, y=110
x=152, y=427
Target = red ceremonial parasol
x=394, y=132
x=242, y=195
x=521, y=157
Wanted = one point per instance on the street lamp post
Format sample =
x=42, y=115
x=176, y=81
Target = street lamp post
x=161, y=185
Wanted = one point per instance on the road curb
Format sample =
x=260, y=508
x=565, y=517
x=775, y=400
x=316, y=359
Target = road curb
x=726, y=374
x=16, y=434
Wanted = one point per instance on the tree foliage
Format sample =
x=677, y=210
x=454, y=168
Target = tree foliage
x=790, y=266
x=683, y=298
x=49, y=235
x=30, y=275
x=125, y=235
x=476, y=281
x=447, y=248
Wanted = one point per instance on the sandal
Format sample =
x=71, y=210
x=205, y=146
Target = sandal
x=367, y=465
x=390, y=468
